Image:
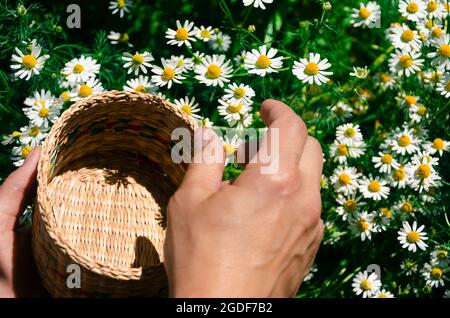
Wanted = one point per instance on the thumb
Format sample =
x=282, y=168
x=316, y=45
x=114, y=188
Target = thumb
x=15, y=191
x=204, y=175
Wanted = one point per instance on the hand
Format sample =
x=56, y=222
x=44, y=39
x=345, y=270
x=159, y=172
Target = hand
x=256, y=236
x=18, y=276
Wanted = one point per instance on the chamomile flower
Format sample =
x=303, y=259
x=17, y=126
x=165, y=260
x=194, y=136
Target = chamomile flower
x=137, y=62
x=360, y=72
x=412, y=237
x=11, y=138
x=19, y=154
x=256, y=3
x=204, y=33
x=385, y=162
x=348, y=205
x=79, y=70
x=367, y=15
x=409, y=267
x=140, y=84
x=44, y=97
x=374, y=188
x=349, y=134
x=443, y=86
x=381, y=219
x=182, y=63
x=42, y=115
x=366, y=284
x=220, y=42
x=431, y=77
x=407, y=100
x=263, y=62
x=405, y=207
x=413, y=10
x=90, y=88
x=405, y=64
x=345, y=180
x=404, y=142
x=441, y=55
x=312, y=70
x=386, y=81
x=189, y=107
x=342, y=110
x=29, y=64
x=230, y=147
x=398, y=178
x=440, y=256
x=117, y=37
x=434, y=275
x=417, y=113
x=245, y=121
x=383, y=293
x=421, y=174
x=239, y=93
x=167, y=74
x=120, y=6
x=438, y=145
x=214, y=70
x=32, y=135
x=434, y=10
x=232, y=111
x=405, y=39
x=184, y=34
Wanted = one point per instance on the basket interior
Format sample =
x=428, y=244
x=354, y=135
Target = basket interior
x=109, y=180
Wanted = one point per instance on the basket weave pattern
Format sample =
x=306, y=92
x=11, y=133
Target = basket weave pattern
x=105, y=177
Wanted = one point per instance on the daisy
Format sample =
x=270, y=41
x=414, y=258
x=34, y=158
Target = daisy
x=79, y=70
x=405, y=207
x=434, y=275
x=232, y=111
x=441, y=57
x=438, y=145
x=383, y=293
x=19, y=154
x=312, y=70
x=244, y=122
x=236, y=94
x=381, y=219
x=342, y=110
x=340, y=151
x=184, y=34
x=421, y=174
x=166, y=75
x=412, y=237
x=385, y=162
x=263, y=62
x=90, y=88
x=417, y=113
x=230, y=147
x=182, y=63
x=433, y=9
x=32, y=135
x=404, y=142
x=360, y=72
x=399, y=178
x=27, y=65
x=386, y=81
x=256, y=3
x=345, y=180
x=137, y=62
x=413, y=10
x=117, y=37
x=214, y=70
x=11, y=138
x=409, y=266
x=42, y=115
x=348, y=134
x=204, y=33
x=403, y=38
x=406, y=64
x=367, y=15
x=431, y=77
x=407, y=100
x=189, y=107
x=443, y=86
x=366, y=284
x=220, y=42
x=140, y=84
x=348, y=205
x=373, y=188
x=121, y=6
x=44, y=97
x=440, y=256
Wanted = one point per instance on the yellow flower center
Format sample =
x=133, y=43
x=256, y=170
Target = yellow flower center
x=137, y=59
x=374, y=186
x=436, y=33
x=363, y=225
x=412, y=8
x=180, y=63
x=65, y=96
x=429, y=24
x=311, y=69
x=385, y=78
x=423, y=171
x=214, y=71
x=168, y=74
x=410, y=100
x=234, y=108
x=182, y=34
x=342, y=150
x=29, y=61
x=187, y=109
x=444, y=50
x=436, y=273
x=78, y=68
x=422, y=110
x=404, y=141
x=43, y=112
x=85, y=90
x=442, y=254
x=263, y=61
x=121, y=4
x=364, y=13
x=124, y=37
x=229, y=149
x=366, y=284
x=382, y=296
x=406, y=61
x=26, y=151
x=432, y=6
x=344, y=179
x=16, y=134
x=386, y=212
x=349, y=133
x=34, y=131
x=141, y=89
x=387, y=158
x=399, y=174
x=205, y=34
x=413, y=237
x=239, y=93
x=407, y=36
x=438, y=144
x=350, y=205
x=406, y=207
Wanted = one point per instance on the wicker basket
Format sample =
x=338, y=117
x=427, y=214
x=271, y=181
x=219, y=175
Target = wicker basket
x=105, y=177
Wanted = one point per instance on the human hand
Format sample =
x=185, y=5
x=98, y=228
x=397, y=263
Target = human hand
x=256, y=236
x=18, y=276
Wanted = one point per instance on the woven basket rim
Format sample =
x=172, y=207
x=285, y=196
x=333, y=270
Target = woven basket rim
x=43, y=201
